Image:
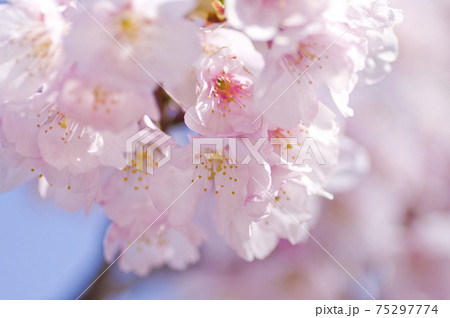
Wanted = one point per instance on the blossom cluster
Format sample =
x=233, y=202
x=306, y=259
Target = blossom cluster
x=390, y=232
x=79, y=78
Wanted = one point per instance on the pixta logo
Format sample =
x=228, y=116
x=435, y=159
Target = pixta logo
x=148, y=149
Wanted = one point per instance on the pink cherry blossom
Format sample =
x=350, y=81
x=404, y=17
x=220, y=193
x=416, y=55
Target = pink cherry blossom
x=267, y=80
x=378, y=32
x=225, y=100
x=160, y=245
x=30, y=46
x=262, y=19
x=143, y=41
x=93, y=103
x=300, y=65
x=239, y=200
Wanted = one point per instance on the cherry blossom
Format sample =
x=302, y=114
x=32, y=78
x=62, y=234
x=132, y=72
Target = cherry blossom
x=225, y=99
x=309, y=59
x=144, y=41
x=96, y=104
x=30, y=46
x=159, y=245
x=258, y=89
x=378, y=32
x=238, y=199
x=262, y=19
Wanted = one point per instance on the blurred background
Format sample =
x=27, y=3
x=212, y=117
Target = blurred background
x=391, y=230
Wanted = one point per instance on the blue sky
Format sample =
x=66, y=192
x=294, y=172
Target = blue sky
x=46, y=253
